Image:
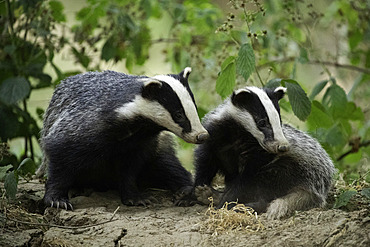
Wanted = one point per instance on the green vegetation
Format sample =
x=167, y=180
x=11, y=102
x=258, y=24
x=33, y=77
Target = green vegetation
x=318, y=47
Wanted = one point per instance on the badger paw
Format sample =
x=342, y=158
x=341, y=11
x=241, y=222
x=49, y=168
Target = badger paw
x=203, y=193
x=277, y=209
x=140, y=201
x=184, y=197
x=62, y=203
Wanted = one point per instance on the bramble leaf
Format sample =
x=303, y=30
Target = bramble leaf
x=298, y=99
x=344, y=198
x=14, y=89
x=245, y=62
x=226, y=80
x=10, y=184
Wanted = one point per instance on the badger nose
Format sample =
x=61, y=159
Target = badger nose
x=202, y=137
x=283, y=148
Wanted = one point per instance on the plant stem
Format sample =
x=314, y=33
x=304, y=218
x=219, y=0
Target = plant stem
x=10, y=17
x=251, y=39
x=317, y=62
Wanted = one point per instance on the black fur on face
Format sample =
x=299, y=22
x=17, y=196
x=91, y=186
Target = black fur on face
x=183, y=78
x=250, y=102
x=166, y=96
x=275, y=96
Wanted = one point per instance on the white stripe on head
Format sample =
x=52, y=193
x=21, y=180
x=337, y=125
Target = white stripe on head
x=272, y=113
x=186, y=102
x=149, y=109
x=153, y=110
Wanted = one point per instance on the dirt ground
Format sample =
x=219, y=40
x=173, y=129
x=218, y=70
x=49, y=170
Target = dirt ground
x=100, y=219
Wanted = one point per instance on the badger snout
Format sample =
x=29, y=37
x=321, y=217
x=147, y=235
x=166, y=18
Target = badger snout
x=202, y=137
x=196, y=137
x=276, y=147
x=283, y=148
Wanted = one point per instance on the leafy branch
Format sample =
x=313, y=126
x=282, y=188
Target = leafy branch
x=316, y=62
x=356, y=145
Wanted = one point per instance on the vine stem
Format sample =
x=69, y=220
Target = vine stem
x=251, y=39
x=60, y=226
x=318, y=62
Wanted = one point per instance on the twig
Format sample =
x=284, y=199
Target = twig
x=354, y=149
x=251, y=38
x=60, y=226
x=318, y=62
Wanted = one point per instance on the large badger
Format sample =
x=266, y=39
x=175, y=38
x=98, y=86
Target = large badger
x=268, y=166
x=106, y=130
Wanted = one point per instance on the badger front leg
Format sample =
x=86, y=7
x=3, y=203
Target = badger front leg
x=130, y=175
x=60, y=180
x=166, y=172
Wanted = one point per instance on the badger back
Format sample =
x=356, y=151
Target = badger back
x=168, y=101
x=257, y=111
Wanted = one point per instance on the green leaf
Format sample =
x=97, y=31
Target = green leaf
x=298, y=99
x=353, y=112
x=355, y=36
x=353, y=158
x=109, y=50
x=10, y=184
x=10, y=49
x=303, y=56
x=230, y=59
x=9, y=123
x=226, y=80
x=81, y=57
x=318, y=88
x=366, y=192
x=273, y=83
x=14, y=89
x=201, y=112
x=57, y=10
x=26, y=167
x=335, y=136
x=319, y=117
x=336, y=99
x=344, y=198
x=3, y=170
x=245, y=62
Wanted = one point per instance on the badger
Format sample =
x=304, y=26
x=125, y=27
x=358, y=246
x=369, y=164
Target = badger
x=109, y=130
x=269, y=166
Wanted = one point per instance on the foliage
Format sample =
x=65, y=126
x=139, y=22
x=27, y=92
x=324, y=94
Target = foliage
x=267, y=29
x=267, y=43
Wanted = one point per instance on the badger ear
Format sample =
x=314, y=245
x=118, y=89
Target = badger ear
x=151, y=82
x=241, y=97
x=150, y=87
x=185, y=73
x=279, y=92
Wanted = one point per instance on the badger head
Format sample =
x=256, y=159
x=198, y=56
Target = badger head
x=257, y=110
x=168, y=101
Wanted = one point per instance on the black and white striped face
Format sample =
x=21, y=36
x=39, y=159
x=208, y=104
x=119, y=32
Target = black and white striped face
x=258, y=111
x=168, y=101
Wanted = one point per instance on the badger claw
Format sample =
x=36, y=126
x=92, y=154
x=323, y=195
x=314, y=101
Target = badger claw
x=61, y=203
x=140, y=201
x=184, y=197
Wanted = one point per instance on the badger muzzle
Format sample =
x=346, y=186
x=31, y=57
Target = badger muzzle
x=196, y=137
x=276, y=147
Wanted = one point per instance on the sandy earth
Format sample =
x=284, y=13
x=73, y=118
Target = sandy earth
x=92, y=224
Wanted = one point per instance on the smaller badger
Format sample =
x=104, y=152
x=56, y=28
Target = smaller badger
x=268, y=166
x=107, y=130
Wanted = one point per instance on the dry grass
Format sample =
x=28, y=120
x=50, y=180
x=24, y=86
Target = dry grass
x=239, y=218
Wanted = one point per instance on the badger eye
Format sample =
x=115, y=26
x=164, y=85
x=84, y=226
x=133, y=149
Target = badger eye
x=178, y=116
x=262, y=123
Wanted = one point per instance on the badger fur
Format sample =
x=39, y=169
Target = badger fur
x=271, y=167
x=108, y=130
